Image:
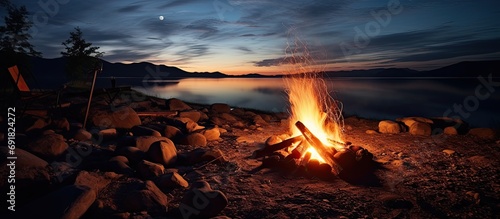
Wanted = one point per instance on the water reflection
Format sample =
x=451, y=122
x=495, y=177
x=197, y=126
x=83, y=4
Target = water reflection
x=377, y=99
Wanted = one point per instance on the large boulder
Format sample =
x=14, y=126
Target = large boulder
x=389, y=127
x=144, y=142
x=49, y=146
x=32, y=175
x=176, y=104
x=194, y=139
x=211, y=134
x=420, y=128
x=144, y=131
x=220, y=108
x=193, y=115
x=150, y=198
x=163, y=152
x=484, y=133
x=95, y=180
x=68, y=202
x=202, y=202
x=123, y=117
x=172, y=132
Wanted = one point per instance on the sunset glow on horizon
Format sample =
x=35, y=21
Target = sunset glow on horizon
x=241, y=37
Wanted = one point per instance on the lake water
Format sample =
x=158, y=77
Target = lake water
x=364, y=97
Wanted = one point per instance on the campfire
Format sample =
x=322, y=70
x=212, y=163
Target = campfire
x=315, y=124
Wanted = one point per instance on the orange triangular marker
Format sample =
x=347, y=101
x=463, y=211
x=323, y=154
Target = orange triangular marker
x=18, y=78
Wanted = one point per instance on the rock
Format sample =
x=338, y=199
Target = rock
x=266, y=117
x=36, y=124
x=213, y=154
x=220, y=108
x=117, y=167
x=238, y=112
x=171, y=180
x=150, y=199
x=484, y=133
x=108, y=134
x=32, y=175
x=202, y=202
x=120, y=158
x=420, y=128
x=60, y=124
x=448, y=152
x=82, y=135
x=193, y=126
x=124, y=117
x=258, y=120
x=94, y=180
x=149, y=170
x=163, y=152
x=68, y=202
x=273, y=139
x=144, y=142
x=246, y=139
x=450, y=130
x=371, y=132
x=408, y=121
x=480, y=161
x=133, y=154
x=194, y=139
x=222, y=130
x=193, y=115
x=144, y=131
x=176, y=104
x=395, y=201
x=228, y=117
x=49, y=146
x=389, y=127
x=211, y=134
x=172, y=132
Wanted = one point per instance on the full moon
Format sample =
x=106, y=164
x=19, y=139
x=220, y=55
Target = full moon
x=161, y=18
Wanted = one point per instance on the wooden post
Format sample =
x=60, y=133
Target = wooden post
x=90, y=97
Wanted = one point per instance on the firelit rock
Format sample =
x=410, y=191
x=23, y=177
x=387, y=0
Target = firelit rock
x=124, y=117
x=211, y=134
x=194, y=139
x=193, y=115
x=144, y=142
x=484, y=133
x=220, y=108
x=133, y=154
x=450, y=130
x=420, y=128
x=68, y=202
x=150, y=199
x=82, y=135
x=172, y=132
x=171, y=180
x=144, y=131
x=176, y=104
x=149, y=170
x=389, y=127
x=49, y=146
x=202, y=202
x=162, y=152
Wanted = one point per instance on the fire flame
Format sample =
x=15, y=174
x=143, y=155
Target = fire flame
x=310, y=101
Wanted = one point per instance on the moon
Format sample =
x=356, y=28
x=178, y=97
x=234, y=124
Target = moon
x=161, y=18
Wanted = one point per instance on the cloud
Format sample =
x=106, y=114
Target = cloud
x=207, y=27
x=130, y=8
x=191, y=52
x=244, y=49
x=280, y=61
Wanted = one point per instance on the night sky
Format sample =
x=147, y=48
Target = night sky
x=247, y=36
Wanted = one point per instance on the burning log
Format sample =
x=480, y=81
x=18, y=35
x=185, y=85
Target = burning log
x=276, y=147
x=326, y=153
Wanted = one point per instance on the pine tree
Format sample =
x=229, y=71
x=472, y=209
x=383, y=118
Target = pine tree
x=14, y=35
x=82, y=56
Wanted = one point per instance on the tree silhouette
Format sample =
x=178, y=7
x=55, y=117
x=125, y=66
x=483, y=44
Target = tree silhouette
x=14, y=35
x=82, y=56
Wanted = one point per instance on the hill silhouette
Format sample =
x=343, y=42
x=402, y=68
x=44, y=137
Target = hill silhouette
x=50, y=73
